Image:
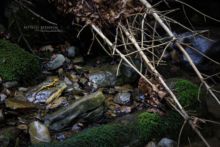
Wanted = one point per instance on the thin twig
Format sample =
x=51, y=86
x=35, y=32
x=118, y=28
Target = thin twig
x=180, y=133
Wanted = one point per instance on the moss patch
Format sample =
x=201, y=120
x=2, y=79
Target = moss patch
x=187, y=92
x=17, y=64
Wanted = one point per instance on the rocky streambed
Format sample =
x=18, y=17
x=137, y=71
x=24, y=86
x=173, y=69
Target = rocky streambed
x=92, y=102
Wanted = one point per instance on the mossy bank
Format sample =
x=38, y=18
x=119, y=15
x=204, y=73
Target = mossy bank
x=16, y=64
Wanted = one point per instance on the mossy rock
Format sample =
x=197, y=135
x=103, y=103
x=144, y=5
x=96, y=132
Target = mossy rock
x=143, y=128
x=17, y=64
x=186, y=92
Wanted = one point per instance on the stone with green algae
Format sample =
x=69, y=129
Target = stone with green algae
x=17, y=64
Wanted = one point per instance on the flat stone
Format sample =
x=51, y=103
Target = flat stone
x=56, y=62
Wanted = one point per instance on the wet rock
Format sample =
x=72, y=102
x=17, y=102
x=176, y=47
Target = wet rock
x=18, y=104
x=64, y=116
x=39, y=133
x=10, y=84
x=103, y=78
x=166, y=142
x=2, y=97
x=123, y=98
x=71, y=51
x=55, y=62
x=8, y=136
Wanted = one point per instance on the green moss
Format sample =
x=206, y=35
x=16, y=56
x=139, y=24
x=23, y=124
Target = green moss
x=187, y=93
x=147, y=124
x=152, y=125
x=17, y=64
